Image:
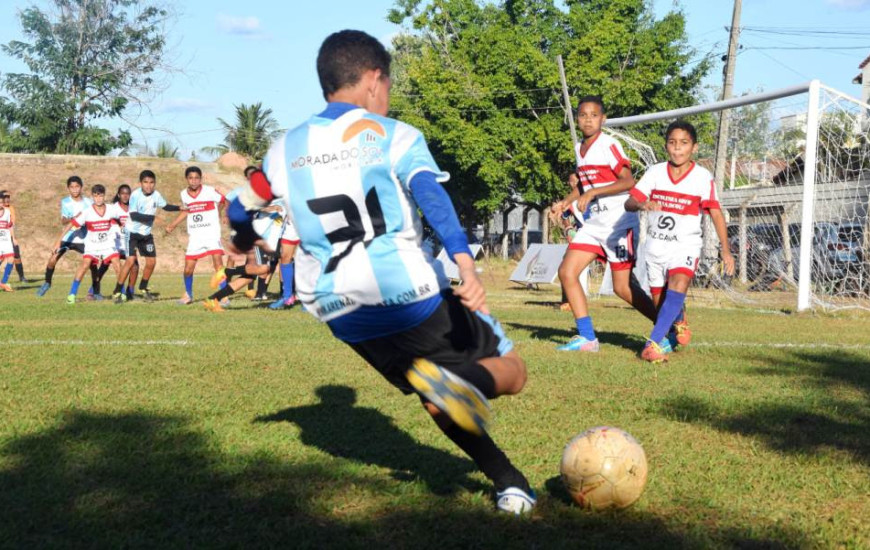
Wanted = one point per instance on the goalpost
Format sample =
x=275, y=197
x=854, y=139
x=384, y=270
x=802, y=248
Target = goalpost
x=795, y=194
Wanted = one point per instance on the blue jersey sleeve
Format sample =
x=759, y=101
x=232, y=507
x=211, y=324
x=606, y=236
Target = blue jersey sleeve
x=416, y=157
x=439, y=212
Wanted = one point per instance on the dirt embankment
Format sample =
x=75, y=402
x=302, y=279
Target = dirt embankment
x=38, y=183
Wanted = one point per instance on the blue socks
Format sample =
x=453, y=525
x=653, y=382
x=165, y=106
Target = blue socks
x=188, y=285
x=9, y=267
x=671, y=310
x=287, y=272
x=74, y=289
x=584, y=328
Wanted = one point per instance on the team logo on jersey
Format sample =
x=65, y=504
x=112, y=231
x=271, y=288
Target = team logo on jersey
x=363, y=125
x=666, y=222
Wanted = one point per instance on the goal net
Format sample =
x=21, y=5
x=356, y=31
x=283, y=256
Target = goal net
x=794, y=191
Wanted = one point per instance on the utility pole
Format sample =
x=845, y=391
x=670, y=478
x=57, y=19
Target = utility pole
x=722, y=139
x=727, y=92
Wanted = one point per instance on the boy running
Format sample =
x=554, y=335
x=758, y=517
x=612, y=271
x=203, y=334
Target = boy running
x=675, y=194
x=70, y=207
x=142, y=210
x=203, y=204
x=7, y=248
x=609, y=233
x=100, y=219
x=352, y=180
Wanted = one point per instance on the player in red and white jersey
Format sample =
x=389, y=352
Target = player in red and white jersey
x=675, y=194
x=609, y=233
x=7, y=246
x=100, y=247
x=203, y=204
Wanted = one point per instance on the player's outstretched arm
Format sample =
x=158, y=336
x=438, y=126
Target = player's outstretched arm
x=175, y=222
x=722, y=233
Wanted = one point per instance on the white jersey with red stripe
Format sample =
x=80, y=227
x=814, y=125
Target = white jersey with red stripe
x=7, y=249
x=203, y=217
x=203, y=222
x=600, y=167
x=676, y=228
x=100, y=242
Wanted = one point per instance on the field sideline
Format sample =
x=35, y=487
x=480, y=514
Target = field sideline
x=156, y=425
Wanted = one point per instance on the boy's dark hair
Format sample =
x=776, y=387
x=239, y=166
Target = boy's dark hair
x=683, y=125
x=596, y=99
x=98, y=190
x=345, y=55
x=191, y=170
x=74, y=179
x=250, y=169
x=121, y=187
x=146, y=174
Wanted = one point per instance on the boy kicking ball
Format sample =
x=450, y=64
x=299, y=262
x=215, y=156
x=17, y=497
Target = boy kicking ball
x=675, y=194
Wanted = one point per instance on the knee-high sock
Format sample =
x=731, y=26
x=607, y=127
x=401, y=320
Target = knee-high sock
x=7, y=272
x=489, y=458
x=287, y=273
x=671, y=309
x=188, y=285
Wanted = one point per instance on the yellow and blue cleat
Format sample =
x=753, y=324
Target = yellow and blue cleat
x=455, y=397
x=219, y=277
x=656, y=352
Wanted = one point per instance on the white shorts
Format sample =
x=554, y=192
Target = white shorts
x=288, y=232
x=617, y=245
x=202, y=246
x=6, y=249
x=101, y=255
x=659, y=268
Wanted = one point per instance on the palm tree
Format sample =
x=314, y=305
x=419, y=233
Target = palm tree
x=165, y=150
x=252, y=133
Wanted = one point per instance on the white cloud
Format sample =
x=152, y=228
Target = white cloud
x=248, y=26
x=185, y=105
x=850, y=4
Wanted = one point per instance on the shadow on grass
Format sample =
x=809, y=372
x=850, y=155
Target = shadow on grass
x=561, y=336
x=826, y=422
x=138, y=480
x=338, y=427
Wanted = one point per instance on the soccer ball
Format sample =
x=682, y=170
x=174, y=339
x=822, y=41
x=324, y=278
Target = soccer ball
x=604, y=467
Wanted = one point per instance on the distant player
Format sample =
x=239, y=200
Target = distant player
x=144, y=204
x=101, y=220
x=70, y=207
x=203, y=205
x=121, y=201
x=352, y=181
x=288, y=243
x=675, y=194
x=609, y=233
x=7, y=250
x=19, y=266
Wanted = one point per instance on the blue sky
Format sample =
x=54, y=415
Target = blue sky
x=264, y=50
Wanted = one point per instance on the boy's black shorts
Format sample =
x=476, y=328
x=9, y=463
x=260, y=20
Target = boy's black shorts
x=69, y=245
x=144, y=244
x=451, y=337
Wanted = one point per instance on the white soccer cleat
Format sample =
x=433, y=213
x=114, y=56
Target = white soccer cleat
x=514, y=500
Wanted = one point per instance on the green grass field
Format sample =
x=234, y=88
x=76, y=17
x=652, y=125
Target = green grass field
x=161, y=426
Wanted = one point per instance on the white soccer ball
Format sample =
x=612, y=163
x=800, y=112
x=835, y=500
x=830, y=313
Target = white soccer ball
x=604, y=467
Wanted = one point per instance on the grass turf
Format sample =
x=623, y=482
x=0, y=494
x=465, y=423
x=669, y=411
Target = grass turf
x=176, y=427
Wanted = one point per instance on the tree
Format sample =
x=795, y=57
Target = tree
x=166, y=150
x=253, y=132
x=88, y=59
x=480, y=80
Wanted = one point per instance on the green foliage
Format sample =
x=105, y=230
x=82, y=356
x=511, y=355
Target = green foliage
x=250, y=135
x=88, y=59
x=480, y=79
x=166, y=150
